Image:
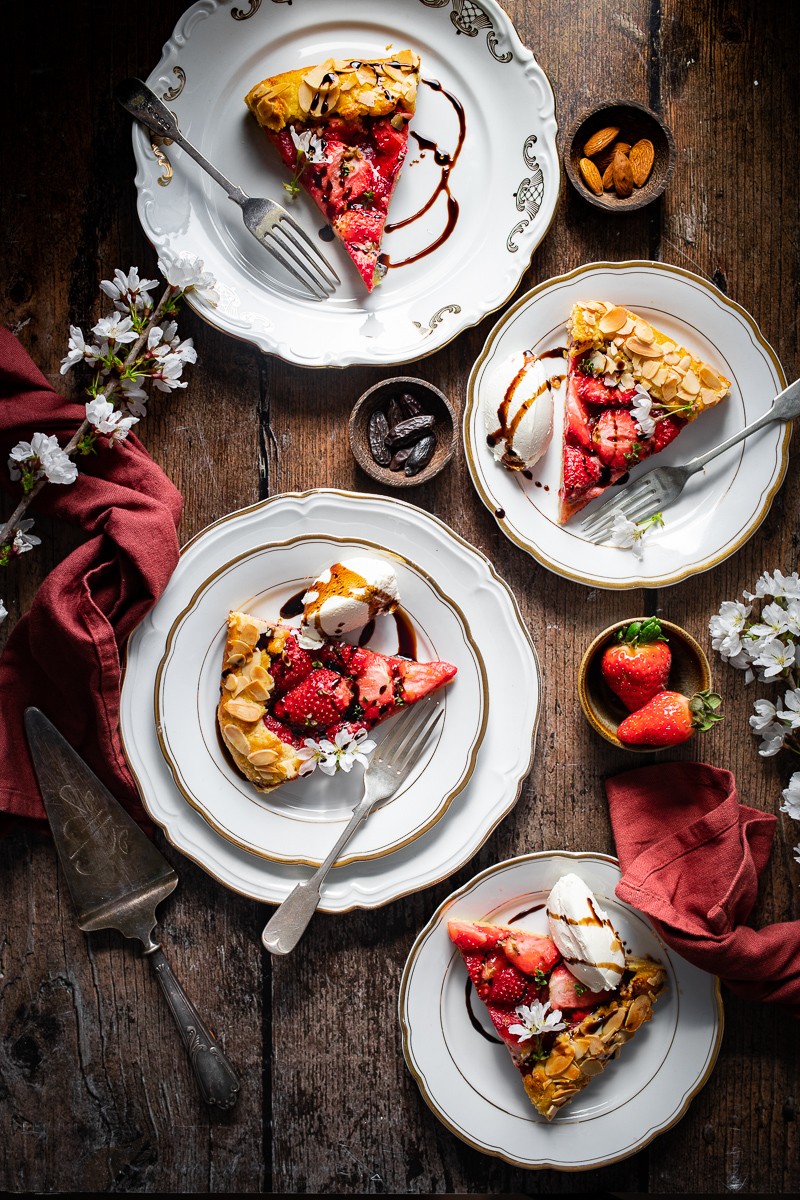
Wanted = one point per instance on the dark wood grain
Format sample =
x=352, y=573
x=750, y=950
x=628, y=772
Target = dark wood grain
x=95, y=1091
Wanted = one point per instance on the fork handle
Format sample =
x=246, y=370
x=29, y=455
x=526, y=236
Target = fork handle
x=142, y=103
x=291, y=919
x=784, y=407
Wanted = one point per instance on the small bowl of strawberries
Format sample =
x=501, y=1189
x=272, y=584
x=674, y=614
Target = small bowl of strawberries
x=644, y=685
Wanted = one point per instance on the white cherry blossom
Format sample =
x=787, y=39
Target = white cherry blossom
x=766, y=715
x=774, y=658
x=101, y=414
x=129, y=291
x=187, y=275
x=791, y=797
x=23, y=539
x=116, y=328
x=3, y=612
x=727, y=626
x=341, y=754
x=790, y=713
x=772, y=738
x=310, y=146
x=640, y=411
x=78, y=350
x=44, y=456
x=535, y=1019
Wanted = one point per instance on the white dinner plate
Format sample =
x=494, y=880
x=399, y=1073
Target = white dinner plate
x=720, y=508
x=505, y=180
x=482, y=621
x=465, y=1073
x=300, y=821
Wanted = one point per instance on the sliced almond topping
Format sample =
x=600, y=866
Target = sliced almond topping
x=660, y=377
x=639, y=1012
x=231, y=682
x=367, y=75
x=407, y=58
x=245, y=710
x=685, y=363
x=234, y=659
x=557, y=1064
x=369, y=98
x=691, y=383
x=249, y=633
x=650, y=366
x=707, y=397
x=394, y=72
x=644, y=332
x=240, y=648
x=612, y=1024
x=595, y=306
x=627, y=328
x=319, y=74
x=626, y=381
x=256, y=691
x=613, y=320
x=591, y=1066
x=262, y=758
x=634, y=346
x=709, y=378
x=668, y=347
x=672, y=358
x=236, y=738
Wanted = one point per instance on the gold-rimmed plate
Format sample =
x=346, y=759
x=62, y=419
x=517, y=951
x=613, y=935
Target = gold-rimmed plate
x=720, y=508
x=476, y=195
x=300, y=821
x=466, y=1074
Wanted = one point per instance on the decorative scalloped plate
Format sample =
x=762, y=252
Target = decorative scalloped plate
x=486, y=626
x=465, y=1073
x=505, y=180
x=721, y=507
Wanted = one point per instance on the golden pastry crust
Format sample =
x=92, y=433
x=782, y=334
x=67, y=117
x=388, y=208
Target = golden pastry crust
x=257, y=752
x=672, y=375
x=348, y=88
x=578, y=1054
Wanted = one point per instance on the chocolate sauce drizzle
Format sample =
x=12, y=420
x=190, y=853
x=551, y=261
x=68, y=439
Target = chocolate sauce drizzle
x=446, y=162
x=406, y=634
x=473, y=1020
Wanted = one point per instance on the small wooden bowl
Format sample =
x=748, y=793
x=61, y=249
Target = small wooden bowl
x=432, y=400
x=604, y=710
x=635, y=121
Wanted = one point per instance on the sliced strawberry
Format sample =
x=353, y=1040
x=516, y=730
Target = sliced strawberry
x=501, y=1019
x=318, y=702
x=568, y=992
x=421, y=678
x=291, y=666
x=469, y=935
x=579, y=429
x=615, y=435
x=530, y=952
x=501, y=983
x=581, y=470
x=373, y=674
x=665, y=431
x=279, y=729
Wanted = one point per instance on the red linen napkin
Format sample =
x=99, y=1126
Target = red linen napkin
x=64, y=655
x=691, y=856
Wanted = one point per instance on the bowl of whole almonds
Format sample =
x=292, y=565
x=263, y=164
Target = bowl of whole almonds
x=403, y=431
x=619, y=155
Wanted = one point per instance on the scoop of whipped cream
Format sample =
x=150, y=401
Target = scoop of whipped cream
x=582, y=931
x=520, y=427
x=347, y=596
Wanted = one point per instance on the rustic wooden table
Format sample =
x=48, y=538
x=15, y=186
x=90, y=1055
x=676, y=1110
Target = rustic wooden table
x=96, y=1094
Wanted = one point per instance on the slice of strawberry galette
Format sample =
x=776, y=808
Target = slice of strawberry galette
x=277, y=697
x=559, y=1032
x=631, y=389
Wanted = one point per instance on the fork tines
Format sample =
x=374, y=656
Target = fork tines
x=295, y=251
x=410, y=732
x=635, y=503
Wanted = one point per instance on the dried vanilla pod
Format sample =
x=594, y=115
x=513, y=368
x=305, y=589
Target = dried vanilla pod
x=377, y=432
x=421, y=454
x=405, y=433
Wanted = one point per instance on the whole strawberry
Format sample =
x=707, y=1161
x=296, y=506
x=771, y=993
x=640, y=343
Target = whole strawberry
x=669, y=719
x=318, y=702
x=636, y=666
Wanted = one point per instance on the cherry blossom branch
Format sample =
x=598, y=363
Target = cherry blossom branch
x=71, y=448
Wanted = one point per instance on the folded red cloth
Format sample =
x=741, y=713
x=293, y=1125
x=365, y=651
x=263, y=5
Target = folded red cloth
x=64, y=655
x=691, y=856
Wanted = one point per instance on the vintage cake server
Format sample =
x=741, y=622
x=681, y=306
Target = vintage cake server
x=116, y=878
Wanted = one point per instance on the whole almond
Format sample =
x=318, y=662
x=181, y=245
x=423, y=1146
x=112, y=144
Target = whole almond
x=642, y=156
x=623, y=147
x=622, y=175
x=591, y=176
x=608, y=179
x=598, y=141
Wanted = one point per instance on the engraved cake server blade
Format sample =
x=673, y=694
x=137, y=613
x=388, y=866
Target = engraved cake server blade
x=116, y=878
x=269, y=223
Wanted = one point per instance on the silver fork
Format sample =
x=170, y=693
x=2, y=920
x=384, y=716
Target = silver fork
x=392, y=760
x=660, y=487
x=269, y=224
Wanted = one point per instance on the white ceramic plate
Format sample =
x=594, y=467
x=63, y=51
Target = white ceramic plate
x=488, y=612
x=300, y=821
x=720, y=507
x=466, y=1075
x=505, y=181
